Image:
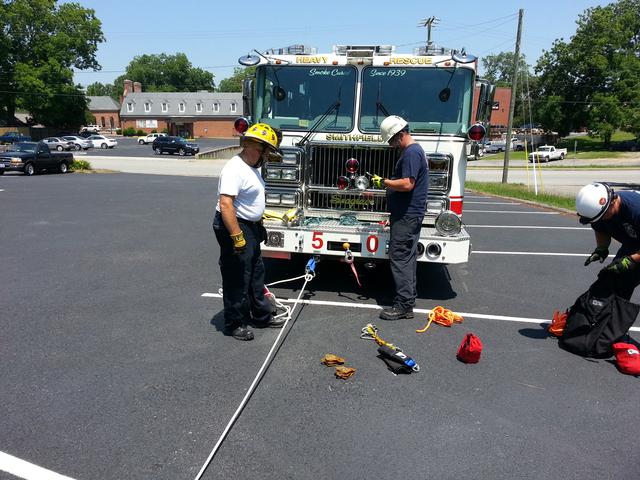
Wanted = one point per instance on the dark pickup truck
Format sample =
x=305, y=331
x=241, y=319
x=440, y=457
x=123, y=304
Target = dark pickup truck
x=31, y=157
x=13, y=137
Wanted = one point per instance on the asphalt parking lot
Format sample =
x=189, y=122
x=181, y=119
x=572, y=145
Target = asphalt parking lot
x=129, y=147
x=114, y=364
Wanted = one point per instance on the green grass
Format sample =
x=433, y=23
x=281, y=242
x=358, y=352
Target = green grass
x=79, y=165
x=522, y=192
x=592, y=144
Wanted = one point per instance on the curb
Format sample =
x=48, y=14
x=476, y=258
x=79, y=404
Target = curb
x=528, y=202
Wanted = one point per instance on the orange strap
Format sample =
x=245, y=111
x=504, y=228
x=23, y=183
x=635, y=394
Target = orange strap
x=441, y=316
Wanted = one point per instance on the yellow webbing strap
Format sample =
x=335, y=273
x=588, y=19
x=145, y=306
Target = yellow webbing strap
x=441, y=316
x=370, y=332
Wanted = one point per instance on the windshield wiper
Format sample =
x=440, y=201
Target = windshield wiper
x=334, y=106
x=379, y=106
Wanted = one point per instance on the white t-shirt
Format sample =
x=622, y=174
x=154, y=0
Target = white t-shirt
x=247, y=186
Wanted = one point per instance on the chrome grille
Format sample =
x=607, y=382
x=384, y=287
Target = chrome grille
x=327, y=162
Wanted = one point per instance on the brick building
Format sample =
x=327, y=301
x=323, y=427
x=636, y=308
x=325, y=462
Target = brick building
x=106, y=111
x=501, y=105
x=188, y=114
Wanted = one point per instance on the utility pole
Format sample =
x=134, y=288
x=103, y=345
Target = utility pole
x=512, y=103
x=428, y=22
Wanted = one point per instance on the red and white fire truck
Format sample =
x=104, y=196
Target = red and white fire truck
x=329, y=107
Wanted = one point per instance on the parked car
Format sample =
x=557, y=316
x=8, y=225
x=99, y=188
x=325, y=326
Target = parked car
x=90, y=128
x=60, y=144
x=150, y=138
x=32, y=157
x=545, y=153
x=174, y=145
x=85, y=134
x=501, y=145
x=79, y=143
x=100, y=141
x=13, y=137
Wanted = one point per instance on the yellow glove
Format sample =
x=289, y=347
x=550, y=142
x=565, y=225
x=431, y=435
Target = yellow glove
x=239, y=243
x=377, y=181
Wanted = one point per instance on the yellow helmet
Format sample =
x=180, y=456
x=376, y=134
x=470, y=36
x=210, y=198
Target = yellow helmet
x=263, y=133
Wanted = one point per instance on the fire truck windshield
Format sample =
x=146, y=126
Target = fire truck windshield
x=433, y=100
x=296, y=97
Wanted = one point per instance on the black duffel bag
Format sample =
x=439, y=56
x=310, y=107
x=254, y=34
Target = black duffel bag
x=596, y=322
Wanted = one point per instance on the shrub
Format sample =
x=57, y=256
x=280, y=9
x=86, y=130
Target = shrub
x=164, y=130
x=118, y=131
x=154, y=131
x=129, y=132
x=139, y=133
x=79, y=165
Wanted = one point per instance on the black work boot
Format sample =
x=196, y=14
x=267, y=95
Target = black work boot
x=273, y=322
x=240, y=333
x=395, y=313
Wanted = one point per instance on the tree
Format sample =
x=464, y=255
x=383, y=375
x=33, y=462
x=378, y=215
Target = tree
x=102, y=89
x=40, y=43
x=498, y=69
x=166, y=73
x=596, y=73
x=234, y=82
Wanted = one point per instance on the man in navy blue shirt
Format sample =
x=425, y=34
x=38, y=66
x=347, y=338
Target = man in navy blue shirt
x=407, y=202
x=613, y=215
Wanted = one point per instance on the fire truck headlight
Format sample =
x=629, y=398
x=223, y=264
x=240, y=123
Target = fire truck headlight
x=361, y=182
x=288, y=199
x=273, y=198
x=435, y=206
x=274, y=173
x=448, y=224
x=289, y=174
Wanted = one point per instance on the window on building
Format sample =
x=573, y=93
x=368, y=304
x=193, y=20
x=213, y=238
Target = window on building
x=129, y=107
x=233, y=107
x=147, y=107
x=181, y=106
x=198, y=107
x=216, y=107
x=165, y=107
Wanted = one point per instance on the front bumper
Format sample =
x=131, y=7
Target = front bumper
x=12, y=166
x=367, y=241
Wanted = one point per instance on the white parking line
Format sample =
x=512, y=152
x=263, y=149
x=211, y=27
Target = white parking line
x=528, y=226
x=491, y=203
x=425, y=311
x=552, y=254
x=26, y=470
x=511, y=211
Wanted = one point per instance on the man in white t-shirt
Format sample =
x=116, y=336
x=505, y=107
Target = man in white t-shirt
x=238, y=228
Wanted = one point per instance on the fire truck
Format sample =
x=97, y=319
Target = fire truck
x=328, y=107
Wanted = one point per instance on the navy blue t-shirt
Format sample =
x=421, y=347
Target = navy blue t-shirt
x=411, y=164
x=625, y=226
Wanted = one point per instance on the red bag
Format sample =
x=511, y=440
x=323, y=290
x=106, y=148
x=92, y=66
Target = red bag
x=627, y=358
x=470, y=349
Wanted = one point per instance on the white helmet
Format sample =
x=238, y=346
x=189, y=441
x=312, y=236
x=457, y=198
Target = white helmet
x=592, y=202
x=390, y=126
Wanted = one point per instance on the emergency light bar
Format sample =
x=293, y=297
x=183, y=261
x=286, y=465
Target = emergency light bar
x=363, y=51
x=298, y=49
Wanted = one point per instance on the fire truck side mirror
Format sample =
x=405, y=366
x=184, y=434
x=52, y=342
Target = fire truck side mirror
x=463, y=57
x=247, y=97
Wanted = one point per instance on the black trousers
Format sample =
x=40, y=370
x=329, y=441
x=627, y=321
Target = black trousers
x=403, y=254
x=242, y=276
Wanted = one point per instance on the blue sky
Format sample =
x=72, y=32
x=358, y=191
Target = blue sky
x=214, y=34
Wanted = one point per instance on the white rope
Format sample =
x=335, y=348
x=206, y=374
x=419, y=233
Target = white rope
x=307, y=278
